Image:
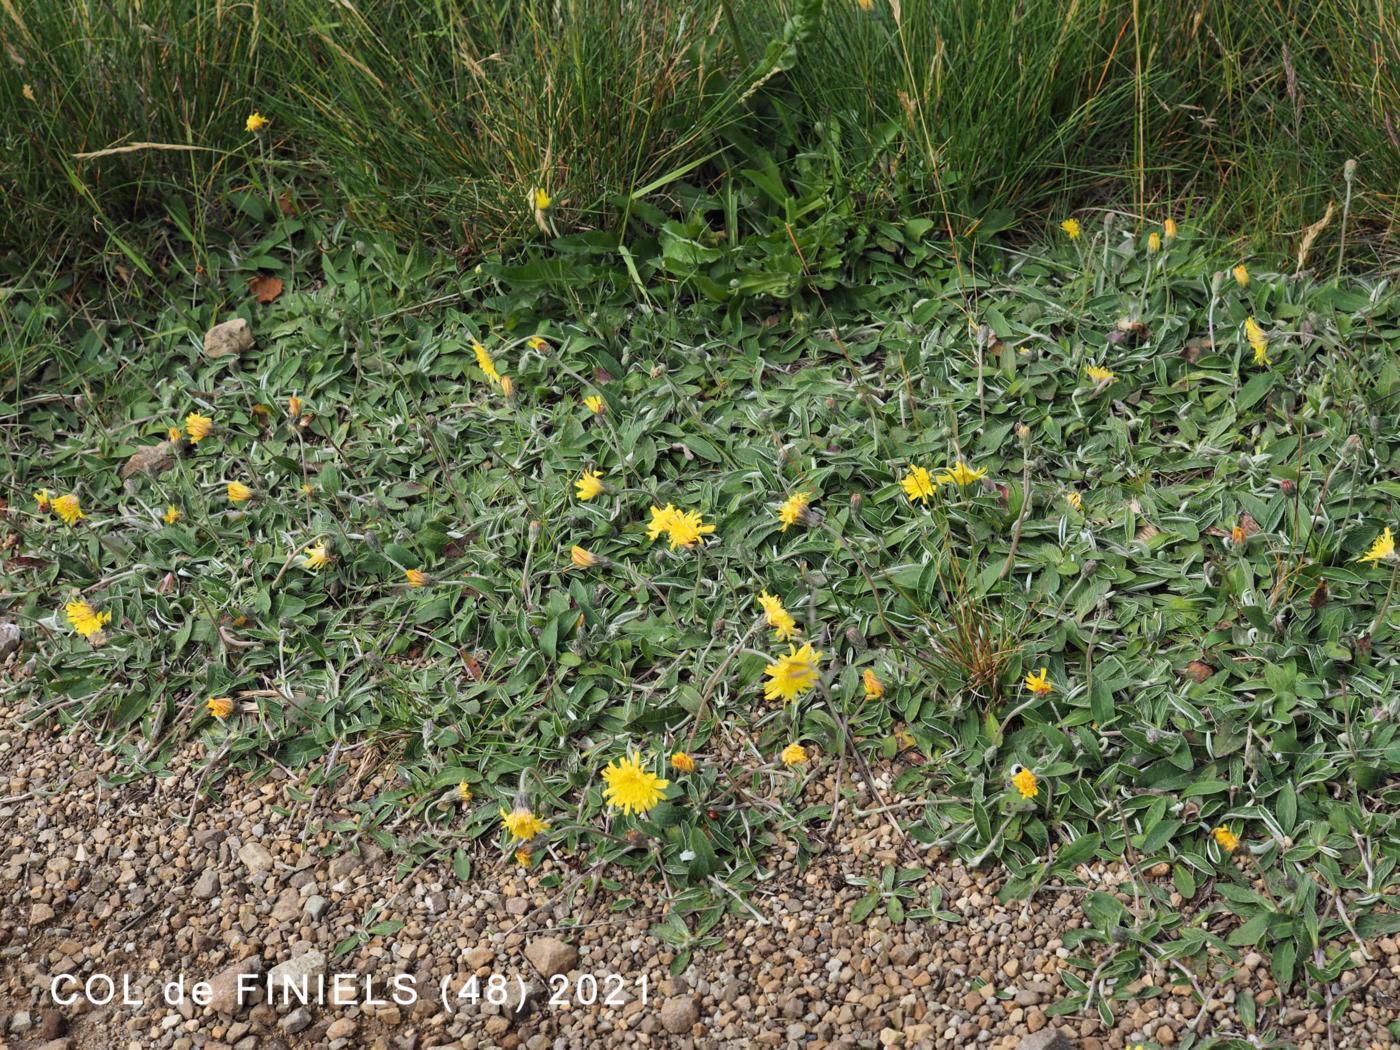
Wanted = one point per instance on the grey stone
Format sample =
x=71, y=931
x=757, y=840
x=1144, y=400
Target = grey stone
x=679, y=1014
x=1045, y=1039
x=316, y=906
x=208, y=885
x=551, y=956
x=256, y=857
x=297, y=1021
x=229, y=338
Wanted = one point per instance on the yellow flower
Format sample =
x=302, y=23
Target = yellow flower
x=790, y=513
x=1154, y=242
x=69, y=508
x=1075, y=500
x=1039, y=683
x=1382, y=548
x=631, y=788
x=866, y=5
x=86, y=620
x=682, y=763
x=1071, y=228
x=1169, y=229
x=918, y=484
x=415, y=577
x=307, y=490
x=43, y=501
x=794, y=755
x=582, y=559
x=485, y=362
x=220, y=706
x=662, y=520
x=1258, y=340
x=294, y=406
x=688, y=529
x=1241, y=276
x=522, y=824
x=173, y=435
x=589, y=484
x=784, y=626
x=523, y=856
x=792, y=675
x=239, y=492
x=1025, y=782
x=172, y=514
x=464, y=792
x=962, y=474
x=28, y=92
x=1225, y=838
x=536, y=343
x=198, y=427
x=1099, y=374
x=317, y=556
x=540, y=200
x=255, y=123
x=874, y=688
x=595, y=404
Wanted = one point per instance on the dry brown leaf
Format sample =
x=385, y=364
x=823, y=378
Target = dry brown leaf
x=153, y=459
x=265, y=287
x=1198, y=670
x=1310, y=235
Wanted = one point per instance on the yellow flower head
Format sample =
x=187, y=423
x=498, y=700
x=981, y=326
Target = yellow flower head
x=1039, y=683
x=507, y=386
x=464, y=792
x=239, y=492
x=416, y=577
x=589, y=485
x=1154, y=242
x=294, y=407
x=522, y=824
x=1241, y=276
x=688, y=528
x=866, y=5
x=28, y=92
x=316, y=556
x=1071, y=228
x=662, y=520
x=1225, y=838
x=1024, y=781
x=918, y=484
x=792, y=675
x=540, y=200
x=631, y=788
x=874, y=688
x=69, y=508
x=86, y=620
x=1099, y=374
x=595, y=404
x=793, y=508
x=962, y=474
x=1382, y=548
x=255, y=123
x=172, y=514
x=220, y=706
x=582, y=559
x=43, y=501
x=536, y=343
x=1258, y=340
x=784, y=626
x=1075, y=500
x=198, y=427
x=485, y=362
x=1169, y=229
x=174, y=435
x=682, y=763
x=794, y=755
x=523, y=856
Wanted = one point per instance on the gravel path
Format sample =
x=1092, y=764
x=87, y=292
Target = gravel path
x=103, y=879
